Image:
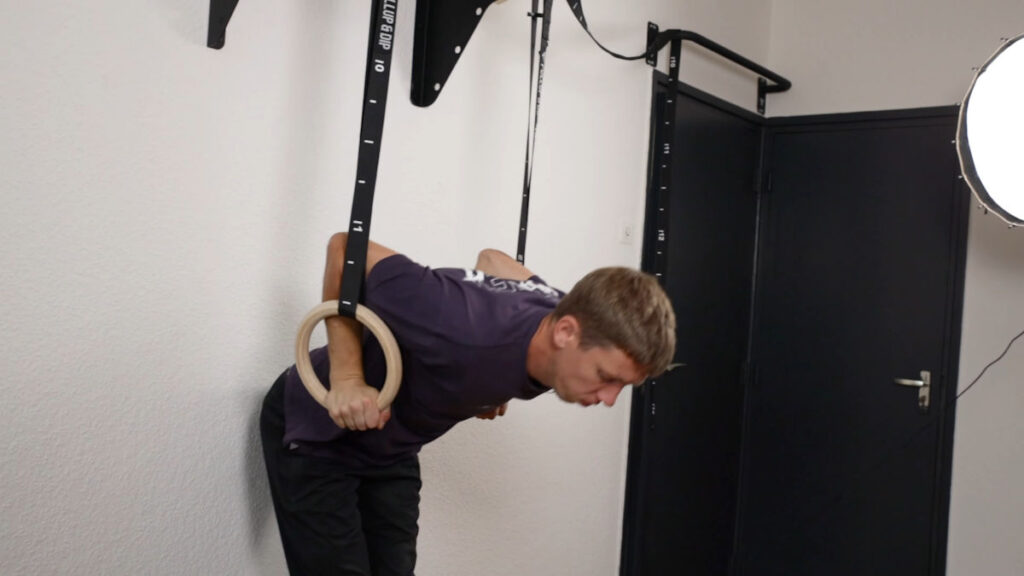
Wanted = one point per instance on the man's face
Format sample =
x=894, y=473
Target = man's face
x=593, y=375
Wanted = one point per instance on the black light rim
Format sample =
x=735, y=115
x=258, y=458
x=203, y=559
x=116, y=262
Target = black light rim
x=963, y=147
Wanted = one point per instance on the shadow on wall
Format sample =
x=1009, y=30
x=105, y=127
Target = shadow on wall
x=263, y=541
x=318, y=27
x=187, y=18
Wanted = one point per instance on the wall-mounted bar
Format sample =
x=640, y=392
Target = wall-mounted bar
x=763, y=87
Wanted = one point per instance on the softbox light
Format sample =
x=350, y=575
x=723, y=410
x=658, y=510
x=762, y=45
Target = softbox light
x=990, y=133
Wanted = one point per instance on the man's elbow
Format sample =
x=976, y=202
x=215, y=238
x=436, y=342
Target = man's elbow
x=336, y=245
x=489, y=260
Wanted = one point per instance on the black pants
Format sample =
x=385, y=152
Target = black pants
x=334, y=521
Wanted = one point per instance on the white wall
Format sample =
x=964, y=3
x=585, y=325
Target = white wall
x=877, y=54
x=165, y=212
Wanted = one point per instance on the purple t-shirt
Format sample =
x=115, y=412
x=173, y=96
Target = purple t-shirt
x=463, y=337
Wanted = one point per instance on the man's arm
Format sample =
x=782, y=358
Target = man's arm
x=351, y=402
x=500, y=265
x=496, y=263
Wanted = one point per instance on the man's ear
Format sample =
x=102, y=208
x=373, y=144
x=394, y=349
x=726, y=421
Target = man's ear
x=566, y=331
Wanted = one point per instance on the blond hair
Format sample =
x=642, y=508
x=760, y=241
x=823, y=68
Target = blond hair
x=627, y=309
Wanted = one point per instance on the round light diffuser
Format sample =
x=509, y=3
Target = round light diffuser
x=990, y=133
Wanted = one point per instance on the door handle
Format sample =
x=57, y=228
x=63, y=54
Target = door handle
x=923, y=388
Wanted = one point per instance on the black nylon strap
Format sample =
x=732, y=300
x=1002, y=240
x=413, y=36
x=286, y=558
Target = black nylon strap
x=375, y=97
x=577, y=9
x=531, y=132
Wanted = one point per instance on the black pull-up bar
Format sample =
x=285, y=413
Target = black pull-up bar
x=663, y=38
x=763, y=87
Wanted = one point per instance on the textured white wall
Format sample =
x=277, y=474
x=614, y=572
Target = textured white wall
x=877, y=54
x=165, y=211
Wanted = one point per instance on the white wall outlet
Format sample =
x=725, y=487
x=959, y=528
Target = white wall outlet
x=626, y=233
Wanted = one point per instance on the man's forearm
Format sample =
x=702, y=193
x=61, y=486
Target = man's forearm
x=345, y=349
x=344, y=335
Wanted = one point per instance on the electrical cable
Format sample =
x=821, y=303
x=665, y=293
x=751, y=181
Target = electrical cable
x=989, y=365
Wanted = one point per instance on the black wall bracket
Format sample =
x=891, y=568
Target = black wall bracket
x=443, y=28
x=652, y=34
x=220, y=15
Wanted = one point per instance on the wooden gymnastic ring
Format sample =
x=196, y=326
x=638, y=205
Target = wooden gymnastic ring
x=366, y=317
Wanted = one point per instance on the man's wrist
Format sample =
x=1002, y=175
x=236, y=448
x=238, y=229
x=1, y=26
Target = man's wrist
x=347, y=380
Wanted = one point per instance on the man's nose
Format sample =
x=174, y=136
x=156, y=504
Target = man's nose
x=609, y=394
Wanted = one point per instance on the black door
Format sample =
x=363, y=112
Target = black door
x=685, y=437
x=784, y=447
x=859, y=283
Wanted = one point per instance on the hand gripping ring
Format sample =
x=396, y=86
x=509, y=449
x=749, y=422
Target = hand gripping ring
x=366, y=317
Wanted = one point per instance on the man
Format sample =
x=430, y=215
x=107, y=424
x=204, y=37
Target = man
x=345, y=481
